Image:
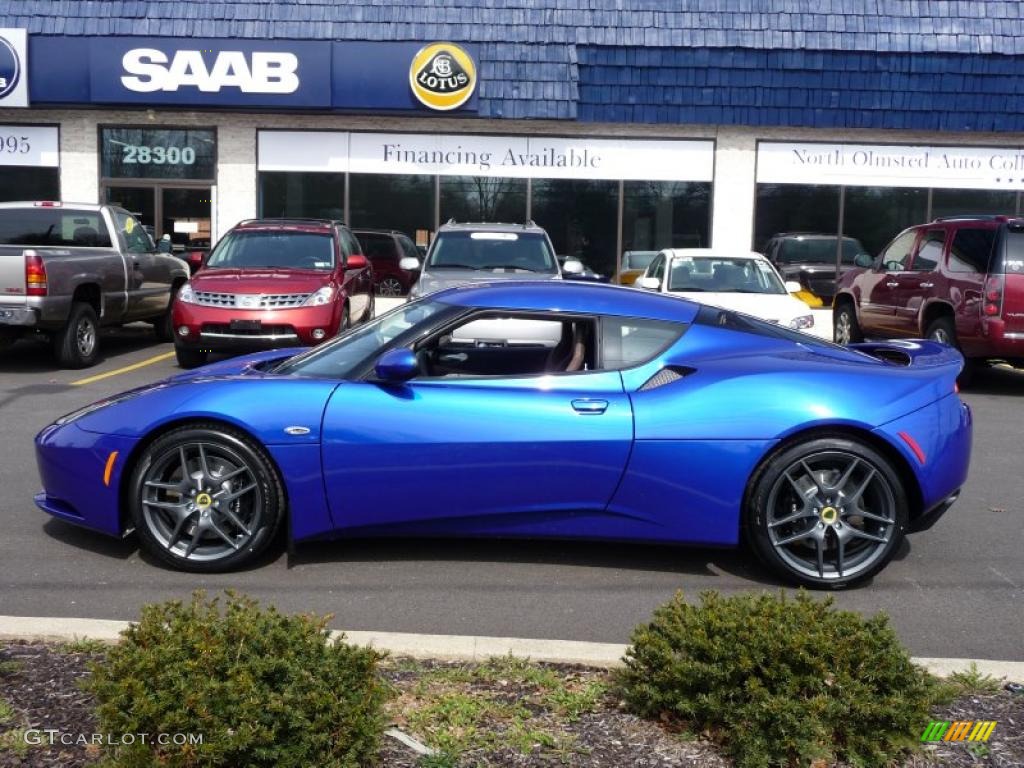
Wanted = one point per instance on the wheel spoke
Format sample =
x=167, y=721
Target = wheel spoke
x=204, y=466
x=847, y=474
x=795, y=537
x=234, y=519
x=185, y=474
x=853, y=498
x=176, y=533
x=163, y=486
x=792, y=518
x=232, y=474
x=819, y=544
x=858, y=533
x=216, y=529
x=869, y=516
x=840, y=554
x=223, y=496
x=173, y=506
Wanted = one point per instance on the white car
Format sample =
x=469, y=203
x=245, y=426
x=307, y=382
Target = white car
x=745, y=282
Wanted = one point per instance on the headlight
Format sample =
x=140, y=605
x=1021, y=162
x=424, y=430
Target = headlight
x=802, y=322
x=319, y=297
x=186, y=295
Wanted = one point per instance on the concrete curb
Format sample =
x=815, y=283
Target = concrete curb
x=447, y=647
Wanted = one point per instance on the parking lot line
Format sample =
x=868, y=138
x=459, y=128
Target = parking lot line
x=125, y=369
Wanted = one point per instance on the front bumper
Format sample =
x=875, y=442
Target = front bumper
x=226, y=328
x=20, y=316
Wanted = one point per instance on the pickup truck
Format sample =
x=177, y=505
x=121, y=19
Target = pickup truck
x=66, y=270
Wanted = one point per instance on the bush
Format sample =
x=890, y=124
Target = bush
x=261, y=688
x=779, y=681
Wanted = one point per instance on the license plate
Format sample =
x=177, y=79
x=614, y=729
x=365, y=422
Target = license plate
x=246, y=325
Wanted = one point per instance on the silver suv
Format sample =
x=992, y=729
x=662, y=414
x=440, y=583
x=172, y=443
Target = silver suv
x=462, y=254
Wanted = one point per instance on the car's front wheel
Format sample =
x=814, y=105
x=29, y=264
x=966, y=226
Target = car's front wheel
x=390, y=286
x=205, y=498
x=827, y=513
x=845, y=328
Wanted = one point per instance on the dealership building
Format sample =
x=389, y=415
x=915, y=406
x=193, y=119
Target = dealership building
x=616, y=125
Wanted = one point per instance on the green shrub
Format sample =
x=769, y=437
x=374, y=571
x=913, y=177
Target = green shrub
x=779, y=681
x=261, y=688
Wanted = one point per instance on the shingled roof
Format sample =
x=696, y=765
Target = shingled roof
x=942, y=64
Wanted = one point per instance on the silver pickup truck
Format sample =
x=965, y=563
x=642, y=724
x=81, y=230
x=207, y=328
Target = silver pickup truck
x=68, y=269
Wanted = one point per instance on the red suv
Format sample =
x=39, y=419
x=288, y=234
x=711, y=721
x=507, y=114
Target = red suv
x=956, y=280
x=273, y=283
x=385, y=248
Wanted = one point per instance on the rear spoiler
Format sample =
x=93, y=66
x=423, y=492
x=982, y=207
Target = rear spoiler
x=912, y=353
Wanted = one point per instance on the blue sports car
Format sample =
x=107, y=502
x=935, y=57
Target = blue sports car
x=532, y=410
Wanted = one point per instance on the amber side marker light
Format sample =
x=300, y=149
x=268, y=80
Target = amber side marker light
x=109, y=468
x=913, y=446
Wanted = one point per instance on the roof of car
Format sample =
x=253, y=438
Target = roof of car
x=55, y=205
x=570, y=296
x=814, y=235
x=375, y=231
x=489, y=226
x=309, y=225
x=710, y=253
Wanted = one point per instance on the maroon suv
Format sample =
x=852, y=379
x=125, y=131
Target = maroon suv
x=385, y=248
x=273, y=283
x=955, y=280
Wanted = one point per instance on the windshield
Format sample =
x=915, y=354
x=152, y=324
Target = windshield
x=341, y=357
x=485, y=251
x=817, y=250
x=249, y=249
x=723, y=275
x=638, y=259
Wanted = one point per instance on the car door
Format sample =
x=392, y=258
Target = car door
x=920, y=283
x=358, y=281
x=148, y=272
x=522, y=454
x=878, y=287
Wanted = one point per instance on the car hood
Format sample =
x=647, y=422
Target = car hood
x=431, y=282
x=260, y=280
x=774, y=307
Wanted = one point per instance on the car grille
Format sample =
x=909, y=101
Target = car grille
x=251, y=300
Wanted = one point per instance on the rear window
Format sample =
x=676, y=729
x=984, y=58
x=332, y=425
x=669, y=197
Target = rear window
x=971, y=250
x=248, y=249
x=818, y=250
x=53, y=226
x=1013, y=252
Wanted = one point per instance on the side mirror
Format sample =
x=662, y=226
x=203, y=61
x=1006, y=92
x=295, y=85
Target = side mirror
x=650, y=283
x=397, y=365
x=863, y=260
x=409, y=263
x=356, y=261
x=792, y=286
x=572, y=267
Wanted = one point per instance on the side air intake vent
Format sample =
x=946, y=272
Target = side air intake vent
x=666, y=376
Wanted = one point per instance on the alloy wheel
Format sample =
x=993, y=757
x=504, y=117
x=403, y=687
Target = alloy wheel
x=201, y=501
x=389, y=286
x=940, y=335
x=842, y=332
x=831, y=515
x=85, y=337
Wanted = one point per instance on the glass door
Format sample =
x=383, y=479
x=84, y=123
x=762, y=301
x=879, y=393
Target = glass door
x=185, y=216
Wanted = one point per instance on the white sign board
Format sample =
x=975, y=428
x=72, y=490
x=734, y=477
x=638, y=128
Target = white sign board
x=480, y=155
x=31, y=145
x=887, y=165
x=13, y=68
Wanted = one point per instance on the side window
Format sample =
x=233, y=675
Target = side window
x=136, y=240
x=408, y=248
x=659, y=268
x=345, y=241
x=377, y=247
x=629, y=341
x=971, y=251
x=896, y=258
x=929, y=254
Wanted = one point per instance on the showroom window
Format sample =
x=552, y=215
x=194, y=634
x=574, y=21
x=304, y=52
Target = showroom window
x=783, y=208
x=665, y=214
x=385, y=201
x=874, y=215
x=957, y=202
x=580, y=217
x=483, y=198
x=29, y=163
x=315, y=195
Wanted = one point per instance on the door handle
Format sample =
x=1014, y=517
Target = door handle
x=590, y=406
x=456, y=357
x=926, y=285
x=892, y=284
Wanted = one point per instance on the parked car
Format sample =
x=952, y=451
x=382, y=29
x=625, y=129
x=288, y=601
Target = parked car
x=643, y=417
x=475, y=253
x=955, y=280
x=195, y=254
x=273, y=283
x=585, y=273
x=385, y=248
x=809, y=259
x=66, y=270
x=745, y=282
x=633, y=265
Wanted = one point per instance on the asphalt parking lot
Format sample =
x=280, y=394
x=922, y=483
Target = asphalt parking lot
x=954, y=591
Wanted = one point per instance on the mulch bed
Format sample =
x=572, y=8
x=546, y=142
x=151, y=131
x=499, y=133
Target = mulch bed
x=41, y=687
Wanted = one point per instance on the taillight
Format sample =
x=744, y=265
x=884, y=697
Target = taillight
x=993, y=296
x=35, y=274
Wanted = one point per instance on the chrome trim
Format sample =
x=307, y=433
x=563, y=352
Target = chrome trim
x=250, y=336
x=250, y=300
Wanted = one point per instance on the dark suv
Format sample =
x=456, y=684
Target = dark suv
x=809, y=258
x=385, y=248
x=955, y=280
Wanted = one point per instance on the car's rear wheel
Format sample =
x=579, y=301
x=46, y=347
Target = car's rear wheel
x=205, y=498
x=827, y=513
x=943, y=330
x=389, y=286
x=845, y=328
x=77, y=344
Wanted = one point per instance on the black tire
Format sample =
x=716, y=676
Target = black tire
x=265, y=500
x=190, y=358
x=943, y=330
x=773, y=491
x=163, y=327
x=346, y=320
x=77, y=344
x=845, y=328
x=371, y=309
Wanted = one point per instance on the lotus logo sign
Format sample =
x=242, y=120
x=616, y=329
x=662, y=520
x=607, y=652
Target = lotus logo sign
x=442, y=76
x=13, y=88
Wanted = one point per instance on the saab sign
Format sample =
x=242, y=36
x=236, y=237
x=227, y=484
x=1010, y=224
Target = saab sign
x=201, y=72
x=13, y=75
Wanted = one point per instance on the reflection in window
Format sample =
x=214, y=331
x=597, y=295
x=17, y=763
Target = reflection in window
x=315, y=195
x=783, y=208
x=874, y=215
x=960, y=202
x=665, y=214
x=971, y=250
x=580, y=216
x=480, y=198
x=26, y=183
x=929, y=253
x=401, y=202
